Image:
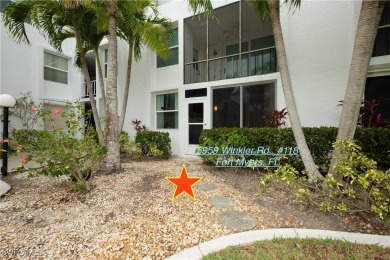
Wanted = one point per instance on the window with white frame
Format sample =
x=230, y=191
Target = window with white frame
x=167, y=111
x=55, y=68
x=173, y=58
x=105, y=62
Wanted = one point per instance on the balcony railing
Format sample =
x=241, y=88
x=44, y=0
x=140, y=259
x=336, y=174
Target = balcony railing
x=246, y=64
x=85, y=89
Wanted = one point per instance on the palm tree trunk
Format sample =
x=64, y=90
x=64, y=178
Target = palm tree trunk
x=127, y=87
x=101, y=79
x=370, y=15
x=111, y=162
x=84, y=68
x=306, y=156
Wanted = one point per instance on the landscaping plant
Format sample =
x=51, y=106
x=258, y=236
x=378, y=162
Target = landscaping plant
x=70, y=151
x=128, y=146
x=277, y=118
x=363, y=188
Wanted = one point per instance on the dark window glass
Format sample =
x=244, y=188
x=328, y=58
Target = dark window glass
x=194, y=133
x=200, y=92
x=382, y=41
x=166, y=120
x=226, y=107
x=174, y=55
x=258, y=102
x=3, y=3
x=55, y=75
x=378, y=89
x=195, y=113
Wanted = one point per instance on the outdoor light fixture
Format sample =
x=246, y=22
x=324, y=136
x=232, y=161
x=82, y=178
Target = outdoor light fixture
x=215, y=53
x=6, y=101
x=215, y=108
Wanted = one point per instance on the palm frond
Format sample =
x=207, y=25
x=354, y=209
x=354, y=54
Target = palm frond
x=202, y=6
x=15, y=14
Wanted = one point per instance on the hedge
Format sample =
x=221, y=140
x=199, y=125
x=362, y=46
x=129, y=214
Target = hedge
x=154, y=143
x=375, y=143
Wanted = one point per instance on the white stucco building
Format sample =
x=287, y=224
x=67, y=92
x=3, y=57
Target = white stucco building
x=220, y=74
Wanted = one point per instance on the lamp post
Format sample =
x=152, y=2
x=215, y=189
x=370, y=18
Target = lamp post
x=6, y=101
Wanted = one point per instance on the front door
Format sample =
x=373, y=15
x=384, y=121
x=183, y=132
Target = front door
x=195, y=124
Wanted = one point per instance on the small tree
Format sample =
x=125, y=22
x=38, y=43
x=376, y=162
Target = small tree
x=75, y=152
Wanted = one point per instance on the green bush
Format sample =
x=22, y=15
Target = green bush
x=26, y=137
x=124, y=138
x=375, y=143
x=154, y=143
x=129, y=147
x=361, y=186
x=70, y=151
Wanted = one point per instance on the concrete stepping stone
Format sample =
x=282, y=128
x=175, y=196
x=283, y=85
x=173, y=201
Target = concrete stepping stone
x=237, y=220
x=4, y=188
x=181, y=164
x=206, y=187
x=221, y=202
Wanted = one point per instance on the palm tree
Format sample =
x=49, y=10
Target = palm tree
x=137, y=28
x=272, y=8
x=370, y=15
x=57, y=22
x=112, y=160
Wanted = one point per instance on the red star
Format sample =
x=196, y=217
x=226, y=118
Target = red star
x=184, y=183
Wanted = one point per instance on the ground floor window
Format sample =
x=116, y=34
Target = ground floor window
x=377, y=100
x=243, y=106
x=167, y=111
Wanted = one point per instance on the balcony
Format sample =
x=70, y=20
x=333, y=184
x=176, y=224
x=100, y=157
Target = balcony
x=85, y=93
x=250, y=63
x=235, y=44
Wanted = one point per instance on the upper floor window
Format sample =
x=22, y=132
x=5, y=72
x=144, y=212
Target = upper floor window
x=55, y=68
x=382, y=41
x=173, y=58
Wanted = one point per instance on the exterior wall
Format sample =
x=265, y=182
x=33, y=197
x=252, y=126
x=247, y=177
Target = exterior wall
x=22, y=70
x=319, y=54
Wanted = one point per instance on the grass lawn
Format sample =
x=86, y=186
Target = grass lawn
x=295, y=248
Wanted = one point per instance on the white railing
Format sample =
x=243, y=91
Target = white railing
x=85, y=93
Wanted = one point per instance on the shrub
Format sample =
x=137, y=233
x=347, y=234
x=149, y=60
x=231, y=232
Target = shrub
x=28, y=138
x=362, y=187
x=276, y=118
x=375, y=142
x=71, y=151
x=129, y=147
x=154, y=143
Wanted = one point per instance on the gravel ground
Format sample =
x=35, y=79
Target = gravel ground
x=132, y=215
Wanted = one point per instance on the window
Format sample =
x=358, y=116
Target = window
x=377, y=91
x=55, y=68
x=174, y=56
x=105, y=62
x=243, y=106
x=167, y=111
x=382, y=41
